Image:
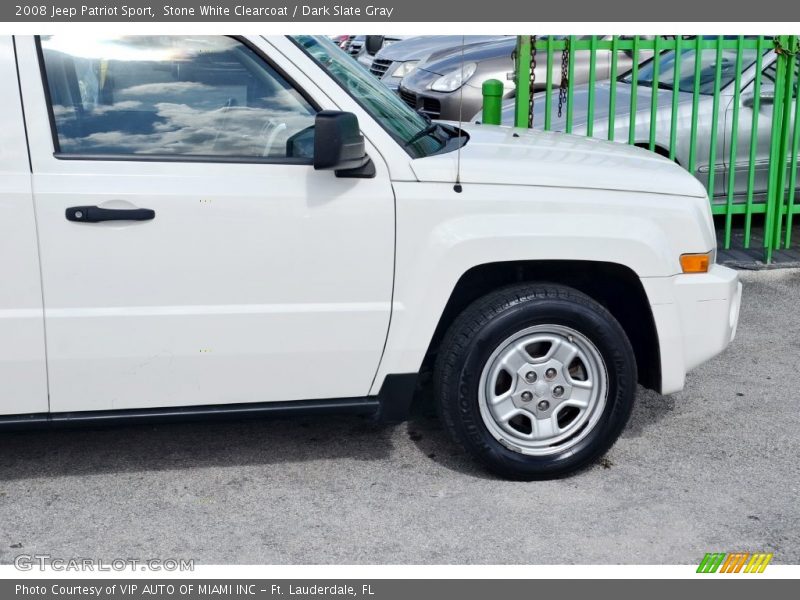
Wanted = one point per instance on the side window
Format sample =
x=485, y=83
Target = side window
x=203, y=96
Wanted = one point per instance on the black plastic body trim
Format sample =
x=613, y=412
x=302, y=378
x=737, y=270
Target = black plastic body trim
x=191, y=413
x=389, y=406
x=367, y=171
x=395, y=397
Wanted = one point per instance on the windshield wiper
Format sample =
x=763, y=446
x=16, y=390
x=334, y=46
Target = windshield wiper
x=431, y=128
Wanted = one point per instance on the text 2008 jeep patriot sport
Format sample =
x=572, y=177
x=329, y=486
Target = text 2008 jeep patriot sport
x=212, y=225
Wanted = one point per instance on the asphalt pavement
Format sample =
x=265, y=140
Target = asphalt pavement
x=714, y=468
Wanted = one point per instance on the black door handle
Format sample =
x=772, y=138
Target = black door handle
x=95, y=214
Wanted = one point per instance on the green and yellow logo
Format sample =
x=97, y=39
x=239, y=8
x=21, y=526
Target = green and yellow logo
x=735, y=562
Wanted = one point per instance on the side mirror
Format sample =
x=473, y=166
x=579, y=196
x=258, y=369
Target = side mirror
x=339, y=145
x=374, y=43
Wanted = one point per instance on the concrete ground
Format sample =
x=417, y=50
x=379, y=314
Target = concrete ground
x=715, y=468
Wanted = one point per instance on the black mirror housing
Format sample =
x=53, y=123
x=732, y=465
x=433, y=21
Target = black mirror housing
x=339, y=145
x=374, y=43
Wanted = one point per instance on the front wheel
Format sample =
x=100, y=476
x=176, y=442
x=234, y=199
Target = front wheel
x=535, y=381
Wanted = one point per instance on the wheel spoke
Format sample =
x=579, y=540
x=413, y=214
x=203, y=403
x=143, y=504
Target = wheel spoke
x=580, y=397
x=546, y=428
x=515, y=358
x=563, y=352
x=503, y=407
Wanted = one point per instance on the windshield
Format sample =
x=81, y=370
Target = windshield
x=412, y=130
x=708, y=66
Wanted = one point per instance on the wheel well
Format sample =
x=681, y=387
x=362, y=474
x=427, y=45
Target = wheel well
x=614, y=286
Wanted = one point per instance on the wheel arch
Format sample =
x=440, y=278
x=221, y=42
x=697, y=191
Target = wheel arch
x=613, y=285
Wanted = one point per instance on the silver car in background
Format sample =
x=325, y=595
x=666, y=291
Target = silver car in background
x=444, y=89
x=683, y=124
x=395, y=61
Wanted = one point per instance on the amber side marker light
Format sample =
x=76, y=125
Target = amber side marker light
x=695, y=263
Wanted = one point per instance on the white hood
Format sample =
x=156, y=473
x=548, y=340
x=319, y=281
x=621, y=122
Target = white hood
x=502, y=155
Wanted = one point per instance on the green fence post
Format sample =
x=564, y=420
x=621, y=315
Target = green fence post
x=492, y=101
x=548, y=91
x=788, y=57
x=776, y=178
x=570, y=82
x=712, y=154
x=522, y=79
x=737, y=92
x=592, y=81
x=698, y=52
x=676, y=77
x=773, y=175
x=612, y=92
x=791, y=208
x=751, y=169
x=651, y=144
x=634, y=91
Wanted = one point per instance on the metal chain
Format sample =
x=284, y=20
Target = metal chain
x=533, y=81
x=562, y=88
x=779, y=49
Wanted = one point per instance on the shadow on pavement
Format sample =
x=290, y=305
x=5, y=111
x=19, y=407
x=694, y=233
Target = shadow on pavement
x=427, y=433
x=84, y=451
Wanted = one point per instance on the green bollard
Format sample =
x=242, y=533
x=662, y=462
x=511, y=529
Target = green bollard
x=492, y=101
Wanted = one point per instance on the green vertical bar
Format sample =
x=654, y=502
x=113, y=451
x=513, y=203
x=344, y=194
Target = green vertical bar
x=698, y=54
x=712, y=153
x=523, y=81
x=751, y=169
x=676, y=79
x=592, y=77
x=737, y=90
x=634, y=92
x=548, y=100
x=654, y=92
x=783, y=157
x=793, y=167
x=776, y=139
x=612, y=93
x=570, y=82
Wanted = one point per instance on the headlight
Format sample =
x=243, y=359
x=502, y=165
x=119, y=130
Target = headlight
x=454, y=79
x=405, y=68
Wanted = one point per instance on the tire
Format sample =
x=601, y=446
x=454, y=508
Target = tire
x=495, y=361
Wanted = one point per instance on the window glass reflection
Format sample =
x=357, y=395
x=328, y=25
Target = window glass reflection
x=173, y=96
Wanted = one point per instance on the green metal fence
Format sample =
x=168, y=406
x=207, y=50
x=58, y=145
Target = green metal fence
x=725, y=108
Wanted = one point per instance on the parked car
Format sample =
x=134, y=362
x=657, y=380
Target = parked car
x=432, y=88
x=270, y=230
x=684, y=117
x=357, y=47
x=395, y=61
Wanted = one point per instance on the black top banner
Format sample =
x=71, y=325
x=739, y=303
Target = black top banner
x=746, y=11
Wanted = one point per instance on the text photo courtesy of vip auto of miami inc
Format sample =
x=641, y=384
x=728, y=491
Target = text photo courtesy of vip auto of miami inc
x=329, y=308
